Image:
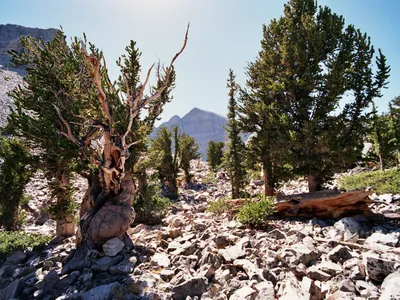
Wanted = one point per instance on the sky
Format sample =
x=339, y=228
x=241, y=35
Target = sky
x=224, y=34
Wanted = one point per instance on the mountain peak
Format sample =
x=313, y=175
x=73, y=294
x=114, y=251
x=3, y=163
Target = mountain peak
x=200, y=124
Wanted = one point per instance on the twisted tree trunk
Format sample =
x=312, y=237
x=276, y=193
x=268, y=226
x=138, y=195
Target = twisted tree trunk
x=111, y=214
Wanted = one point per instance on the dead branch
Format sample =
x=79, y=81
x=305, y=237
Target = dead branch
x=96, y=78
x=138, y=103
x=69, y=133
x=133, y=114
x=168, y=71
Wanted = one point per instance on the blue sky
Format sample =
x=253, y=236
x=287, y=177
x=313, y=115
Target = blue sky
x=224, y=34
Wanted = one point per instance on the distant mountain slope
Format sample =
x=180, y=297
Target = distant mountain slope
x=202, y=125
x=9, y=39
x=8, y=81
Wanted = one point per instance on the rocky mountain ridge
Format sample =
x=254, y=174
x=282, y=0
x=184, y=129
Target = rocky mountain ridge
x=10, y=35
x=202, y=125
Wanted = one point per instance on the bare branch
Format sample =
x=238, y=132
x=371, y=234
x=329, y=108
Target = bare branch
x=183, y=47
x=90, y=135
x=134, y=143
x=96, y=78
x=132, y=114
x=138, y=103
x=167, y=73
x=69, y=134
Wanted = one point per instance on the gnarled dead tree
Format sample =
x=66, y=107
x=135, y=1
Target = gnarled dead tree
x=113, y=141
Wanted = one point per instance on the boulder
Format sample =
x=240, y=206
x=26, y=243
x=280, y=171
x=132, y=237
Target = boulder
x=340, y=254
x=160, y=260
x=391, y=287
x=104, y=263
x=231, y=253
x=195, y=286
x=348, y=229
x=377, y=238
x=11, y=290
x=102, y=292
x=113, y=247
x=378, y=268
x=244, y=293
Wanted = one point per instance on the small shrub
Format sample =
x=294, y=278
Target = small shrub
x=218, y=207
x=254, y=214
x=381, y=182
x=151, y=207
x=20, y=241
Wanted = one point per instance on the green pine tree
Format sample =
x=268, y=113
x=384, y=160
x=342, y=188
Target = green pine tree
x=214, y=154
x=163, y=156
x=233, y=157
x=308, y=61
x=394, y=128
x=380, y=136
x=188, y=150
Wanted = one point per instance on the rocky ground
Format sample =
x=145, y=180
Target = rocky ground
x=195, y=255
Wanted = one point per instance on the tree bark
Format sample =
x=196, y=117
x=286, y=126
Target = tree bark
x=62, y=183
x=381, y=160
x=173, y=186
x=142, y=183
x=268, y=179
x=10, y=216
x=112, y=213
x=93, y=191
x=187, y=176
x=314, y=183
x=65, y=229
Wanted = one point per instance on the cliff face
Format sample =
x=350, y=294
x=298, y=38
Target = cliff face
x=202, y=125
x=9, y=40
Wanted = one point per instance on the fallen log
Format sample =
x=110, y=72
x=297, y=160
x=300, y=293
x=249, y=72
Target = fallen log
x=325, y=204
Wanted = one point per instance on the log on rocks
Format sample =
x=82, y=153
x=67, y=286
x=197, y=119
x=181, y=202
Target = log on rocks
x=325, y=204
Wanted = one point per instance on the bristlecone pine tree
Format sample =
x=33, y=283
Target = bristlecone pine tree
x=58, y=79
x=308, y=61
x=163, y=157
x=214, y=154
x=68, y=91
x=380, y=136
x=188, y=150
x=233, y=160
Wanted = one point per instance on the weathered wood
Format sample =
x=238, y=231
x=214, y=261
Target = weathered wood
x=325, y=204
